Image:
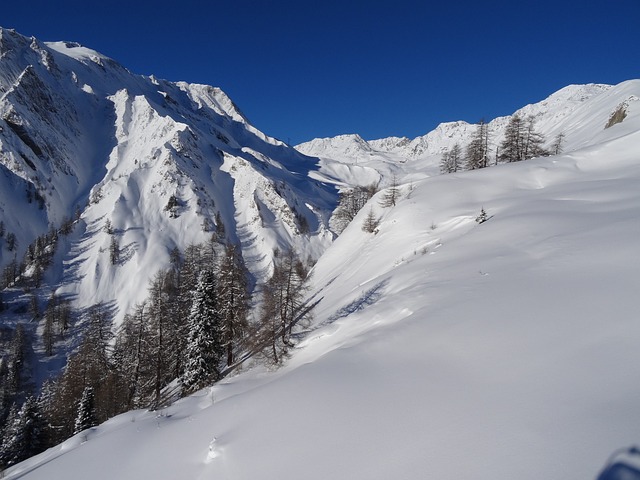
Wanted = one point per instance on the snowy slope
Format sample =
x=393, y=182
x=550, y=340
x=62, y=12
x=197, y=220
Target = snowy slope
x=567, y=111
x=442, y=348
x=78, y=132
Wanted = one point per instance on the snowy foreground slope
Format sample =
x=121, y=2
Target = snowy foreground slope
x=442, y=348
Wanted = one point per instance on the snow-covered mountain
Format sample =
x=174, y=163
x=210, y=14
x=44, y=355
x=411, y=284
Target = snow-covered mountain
x=568, y=111
x=162, y=162
x=441, y=346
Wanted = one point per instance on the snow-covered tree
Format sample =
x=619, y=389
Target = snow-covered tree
x=483, y=217
x=204, y=349
x=25, y=435
x=86, y=417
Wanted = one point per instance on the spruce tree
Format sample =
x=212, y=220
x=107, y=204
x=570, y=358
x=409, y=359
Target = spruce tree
x=25, y=436
x=204, y=348
x=86, y=417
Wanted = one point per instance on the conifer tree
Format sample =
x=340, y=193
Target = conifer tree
x=86, y=417
x=160, y=334
x=204, y=348
x=558, y=144
x=477, y=153
x=533, y=141
x=233, y=300
x=351, y=201
x=114, y=250
x=521, y=141
x=371, y=222
x=25, y=436
x=512, y=147
x=132, y=360
x=391, y=195
x=283, y=304
x=451, y=159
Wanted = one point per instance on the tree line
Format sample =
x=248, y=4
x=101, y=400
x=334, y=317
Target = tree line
x=198, y=322
x=521, y=142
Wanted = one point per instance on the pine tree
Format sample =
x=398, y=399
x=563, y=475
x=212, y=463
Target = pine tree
x=12, y=241
x=90, y=366
x=391, y=195
x=558, y=144
x=25, y=436
x=283, y=304
x=9, y=431
x=233, y=300
x=477, y=153
x=521, y=141
x=86, y=417
x=533, y=140
x=15, y=367
x=204, y=348
x=351, y=201
x=163, y=318
x=371, y=222
x=512, y=147
x=451, y=159
x=132, y=360
x=114, y=250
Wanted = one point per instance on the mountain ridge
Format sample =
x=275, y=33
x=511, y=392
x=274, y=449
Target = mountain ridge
x=437, y=332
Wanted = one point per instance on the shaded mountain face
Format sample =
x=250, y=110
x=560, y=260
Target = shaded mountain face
x=163, y=164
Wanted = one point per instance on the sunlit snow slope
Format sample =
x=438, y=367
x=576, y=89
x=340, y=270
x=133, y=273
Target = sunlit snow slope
x=164, y=163
x=442, y=348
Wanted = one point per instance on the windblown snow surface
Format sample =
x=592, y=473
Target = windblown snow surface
x=441, y=348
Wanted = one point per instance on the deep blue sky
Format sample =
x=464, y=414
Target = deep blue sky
x=302, y=69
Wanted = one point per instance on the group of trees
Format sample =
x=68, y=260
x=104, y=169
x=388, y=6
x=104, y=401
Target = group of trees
x=350, y=202
x=37, y=259
x=521, y=142
x=194, y=326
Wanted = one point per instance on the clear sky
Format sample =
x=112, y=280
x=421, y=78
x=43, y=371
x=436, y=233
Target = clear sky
x=305, y=69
